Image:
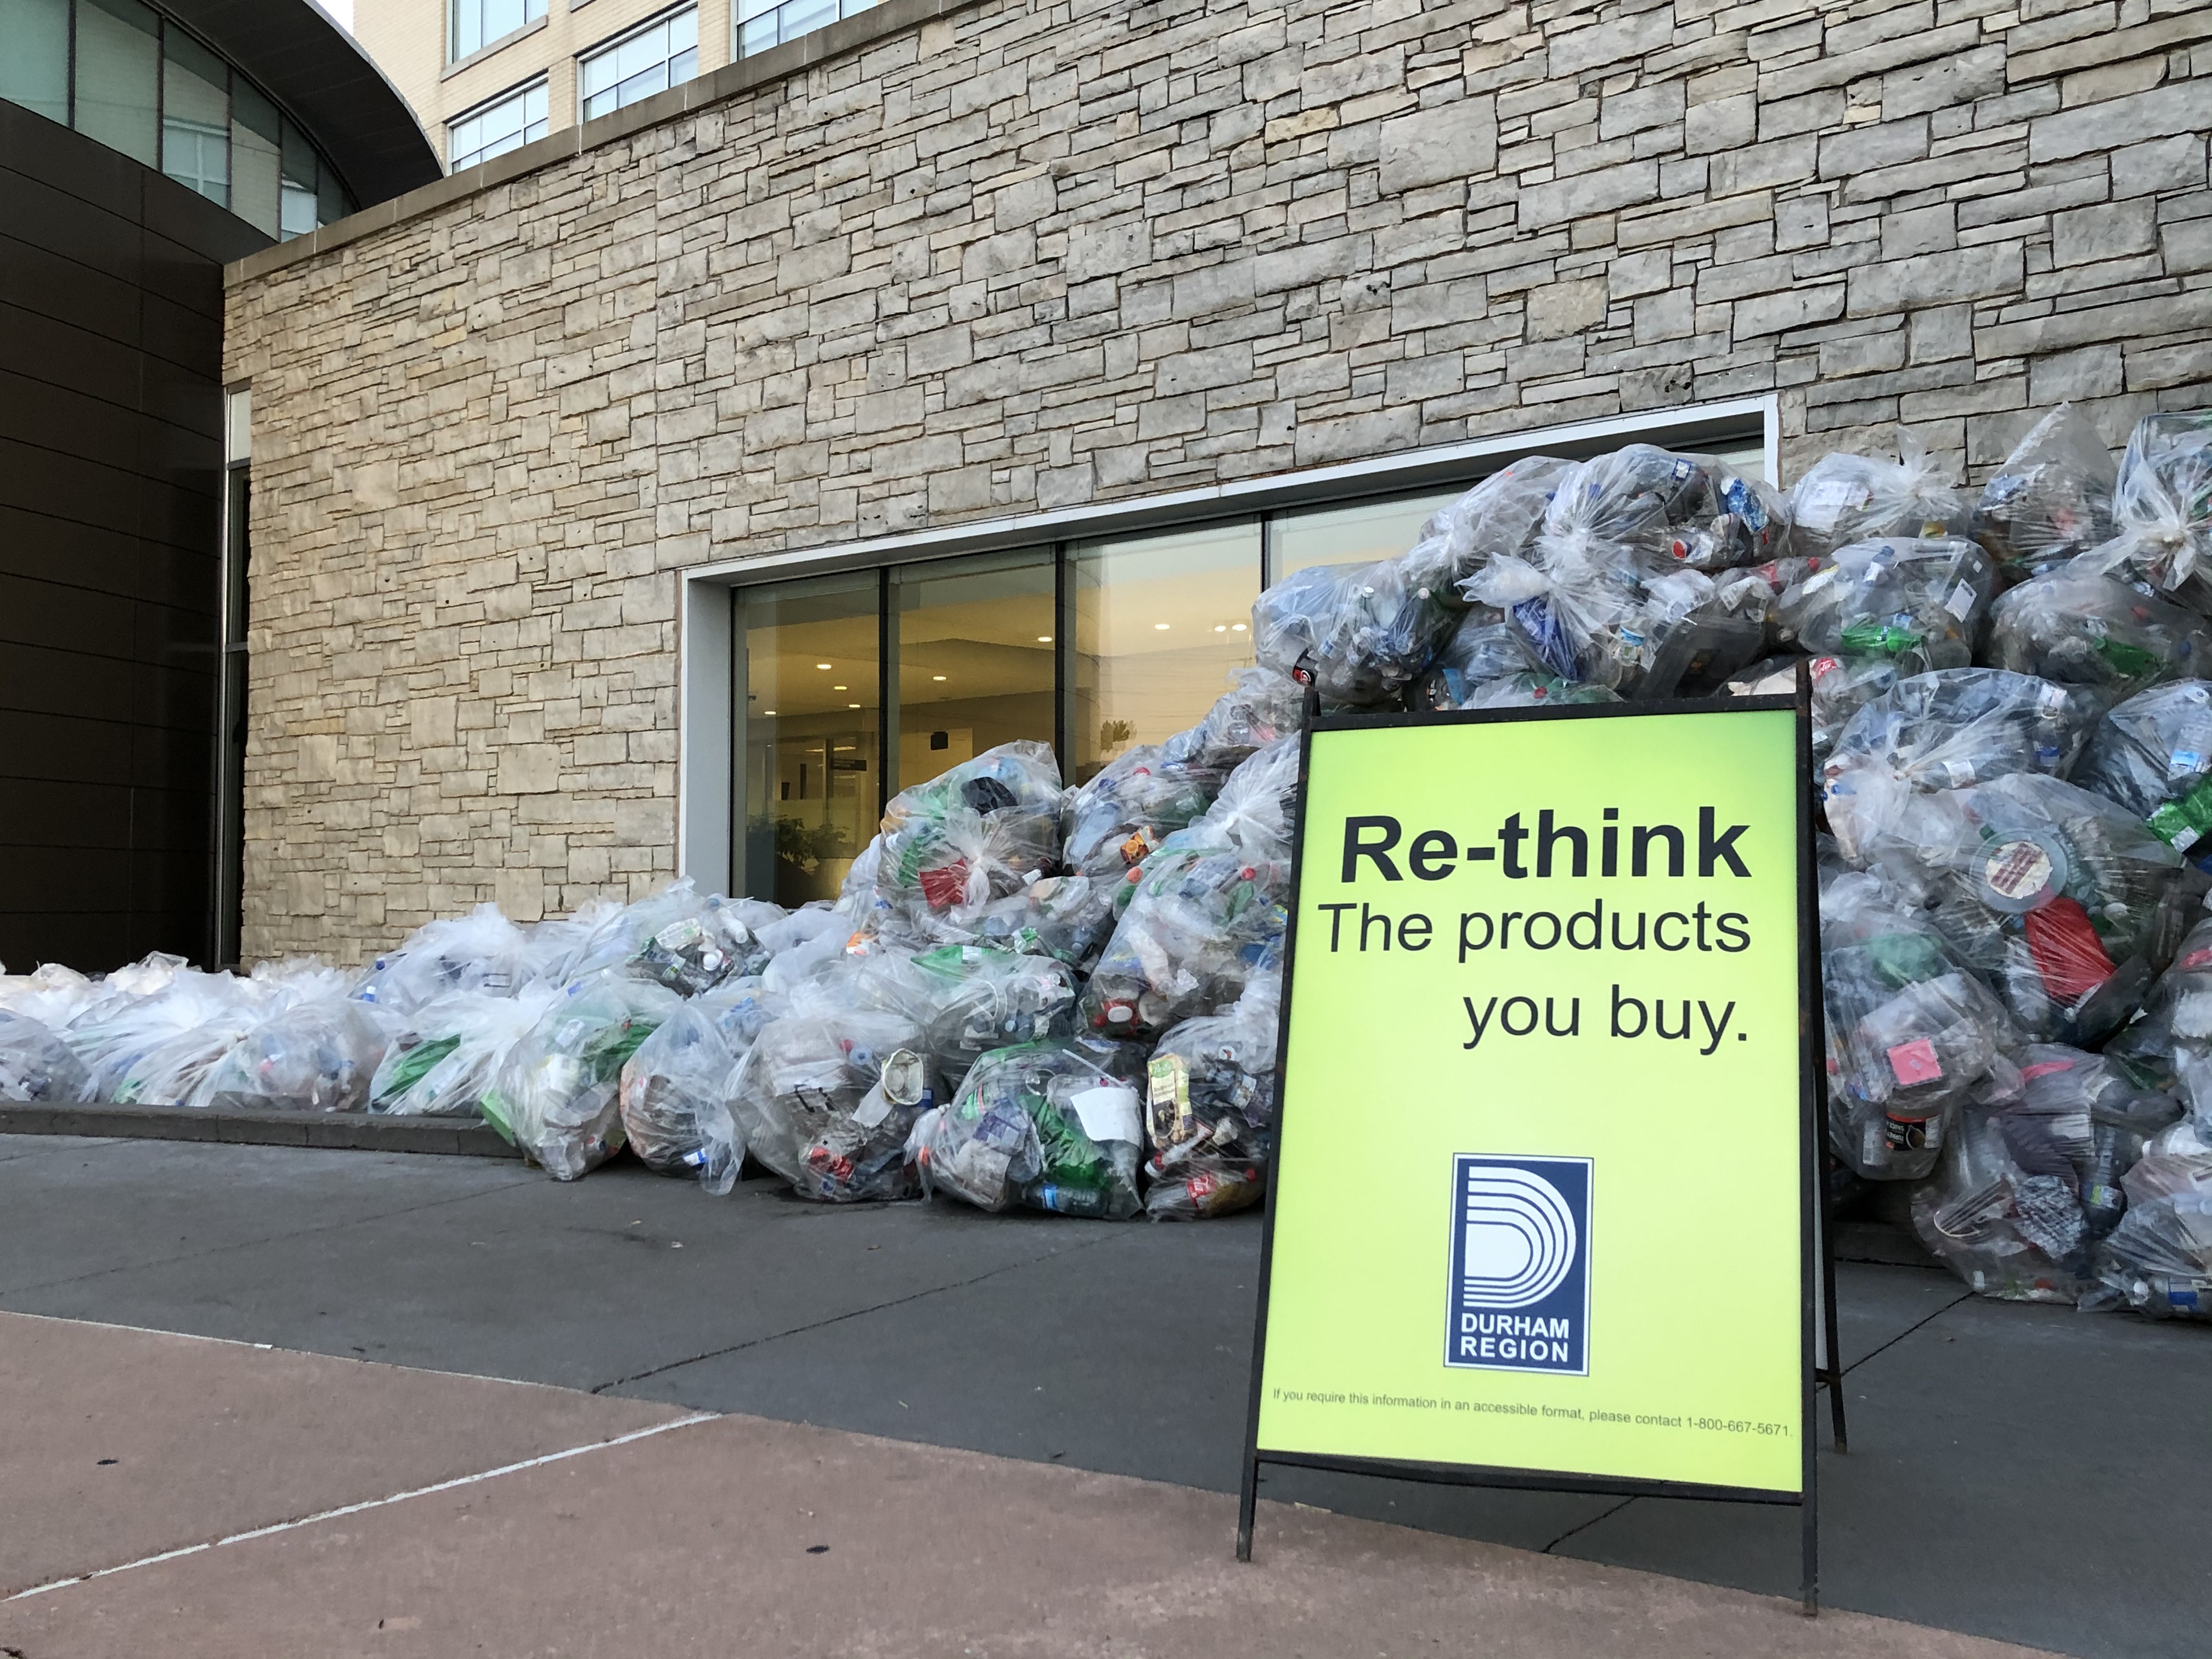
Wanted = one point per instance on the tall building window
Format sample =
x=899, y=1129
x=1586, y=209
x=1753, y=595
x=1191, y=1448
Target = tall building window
x=196, y=118
x=765, y=23
x=131, y=77
x=664, y=53
x=508, y=122
x=480, y=23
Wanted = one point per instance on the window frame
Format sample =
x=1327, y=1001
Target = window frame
x=483, y=107
x=621, y=38
x=454, y=56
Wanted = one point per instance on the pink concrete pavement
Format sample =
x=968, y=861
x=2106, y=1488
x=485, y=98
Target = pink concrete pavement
x=702, y=1538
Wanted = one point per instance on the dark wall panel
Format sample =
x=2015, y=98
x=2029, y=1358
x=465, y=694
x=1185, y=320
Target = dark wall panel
x=111, y=472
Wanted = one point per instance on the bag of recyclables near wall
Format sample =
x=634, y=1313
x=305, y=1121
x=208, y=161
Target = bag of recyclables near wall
x=982, y=998
x=2050, y=500
x=1260, y=705
x=1843, y=498
x=1358, y=632
x=2169, y=1044
x=1118, y=819
x=153, y=1050
x=1210, y=1109
x=830, y=1089
x=975, y=834
x=482, y=951
x=1500, y=514
x=2153, y=756
x=55, y=995
x=1919, y=602
x=2162, y=509
x=2060, y=900
x=1841, y=687
x=673, y=1090
x=2158, y=1260
x=319, y=1053
x=1942, y=731
x=2082, y=625
x=1912, y=1034
x=2010, y=1232
x=555, y=1094
x=443, y=1056
x=1054, y=1125
x=1484, y=648
x=37, y=1064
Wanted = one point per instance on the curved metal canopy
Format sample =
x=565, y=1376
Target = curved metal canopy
x=327, y=84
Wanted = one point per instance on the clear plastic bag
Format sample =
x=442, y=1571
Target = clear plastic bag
x=317, y=1055
x=2050, y=500
x=1501, y=515
x=1254, y=812
x=1485, y=649
x=1260, y=707
x=2152, y=756
x=1531, y=690
x=1210, y=1109
x=2009, y=1233
x=1911, y=1034
x=2169, y=1045
x=2162, y=508
x=1117, y=820
x=1946, y=730
x=828, y=1102
x=554, y=1095
x=975, y=834
x=2081, y=626
x=52, y=994
x=1841, y=687
x=153, y=1050
x=1054, y=1125
x=482, y=951
x=1068, y=918
x=672, y=1089
x=37, y=1064
x=983, y=999
x=2157, y=1261
x=2060, y=900
x=444, y=1055
x=1918, y=603
x=1198, y=925
x=1845, y=498
x=1359, y=633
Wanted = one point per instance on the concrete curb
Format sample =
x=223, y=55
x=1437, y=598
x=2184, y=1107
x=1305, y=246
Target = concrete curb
x=346, y=1131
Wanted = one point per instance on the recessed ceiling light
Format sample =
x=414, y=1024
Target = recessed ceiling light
x=937, y=676
x=1237, y=628
x=1221, y=627
x=1162, y=627
x=767, y=711
x=1044, y=638
x=840, y=688
x=821, y=665
x=852, y=705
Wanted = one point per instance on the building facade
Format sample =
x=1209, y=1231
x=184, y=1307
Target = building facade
x=624, y=501
x=141, y=148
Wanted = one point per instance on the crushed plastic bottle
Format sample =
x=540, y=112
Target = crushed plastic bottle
x=2051, y=499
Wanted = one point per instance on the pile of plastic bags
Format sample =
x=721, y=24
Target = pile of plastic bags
x=1065, y=999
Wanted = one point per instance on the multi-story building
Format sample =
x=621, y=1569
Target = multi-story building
x=141, y=146
x=489, y=75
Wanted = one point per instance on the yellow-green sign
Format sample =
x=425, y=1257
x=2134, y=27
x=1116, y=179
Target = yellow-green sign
x=1539, y=1199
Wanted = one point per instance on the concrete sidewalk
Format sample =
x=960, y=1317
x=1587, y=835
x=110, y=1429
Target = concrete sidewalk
x=670, y=1535
x=2027, y=1474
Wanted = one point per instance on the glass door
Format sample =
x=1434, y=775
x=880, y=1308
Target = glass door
x=974, y=652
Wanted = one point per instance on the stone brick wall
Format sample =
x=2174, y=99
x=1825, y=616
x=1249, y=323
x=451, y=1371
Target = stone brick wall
x=1030, y=255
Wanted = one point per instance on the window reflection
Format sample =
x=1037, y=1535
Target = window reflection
x=811, y=733
x=1359, y=534
x=1160, y=623
x=977, y=654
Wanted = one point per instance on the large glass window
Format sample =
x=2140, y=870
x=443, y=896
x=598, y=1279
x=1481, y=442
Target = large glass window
x=1359, y=534
x=1160, y=624
x=477, y=24
x=665, y=53
x=507, y=122
x=975, y=650
x=118, y=65
x=34, y=56
x=133, y=79
x=765, y=23
x=810, y=731
x=195, y=116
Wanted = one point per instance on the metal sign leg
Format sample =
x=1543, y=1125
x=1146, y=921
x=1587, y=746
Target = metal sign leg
x=1835, y=1366
x=1246, y=1504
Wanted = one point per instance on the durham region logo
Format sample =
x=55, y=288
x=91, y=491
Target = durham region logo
x=1520, y=1265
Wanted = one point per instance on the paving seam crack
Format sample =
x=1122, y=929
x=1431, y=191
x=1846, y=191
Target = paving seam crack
x=1584, y=1526
x=255, y=1243
x=839, y=1319
x=342, y=1509
x=1963, y=1296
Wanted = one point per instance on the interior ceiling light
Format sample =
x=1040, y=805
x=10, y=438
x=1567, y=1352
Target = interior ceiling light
x=852, y=705
x=821, y=665
x=937, y=676
x=1221, y=628
x=1162, y=627
x=767, y=711
x=1044, y=638
x=840, y=688
x=1237, y=628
